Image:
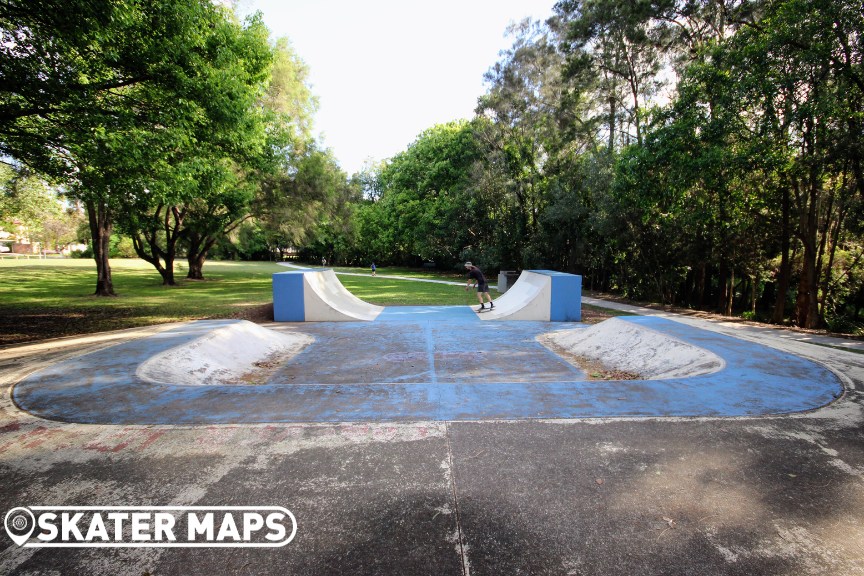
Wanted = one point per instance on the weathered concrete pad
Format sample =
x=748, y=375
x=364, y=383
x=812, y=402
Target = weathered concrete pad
x=755, y=496
x=744, y=497
x=423, y=370
x=369, y=499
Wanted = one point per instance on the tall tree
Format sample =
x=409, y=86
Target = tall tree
x=617, y=44
x=427, y=201
x=528, y=108
x=103, y=94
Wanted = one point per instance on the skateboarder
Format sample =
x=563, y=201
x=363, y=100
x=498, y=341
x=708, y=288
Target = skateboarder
x=476, y=275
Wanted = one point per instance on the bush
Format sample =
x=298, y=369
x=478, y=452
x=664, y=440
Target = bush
x=844, y=325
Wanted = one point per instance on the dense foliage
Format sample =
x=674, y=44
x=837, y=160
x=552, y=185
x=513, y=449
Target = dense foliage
x=701, y=153
x=161, y=117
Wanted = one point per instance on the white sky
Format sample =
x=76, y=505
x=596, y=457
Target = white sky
x=386, y=70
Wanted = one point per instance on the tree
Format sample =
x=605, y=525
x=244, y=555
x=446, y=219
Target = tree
x=427, y=210
x=105, y=95
x=529, y=112
x=616, y=44
x=802, y=80
x=30, y=204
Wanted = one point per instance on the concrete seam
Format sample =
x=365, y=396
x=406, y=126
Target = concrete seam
x=430, y=353
x=459, y=534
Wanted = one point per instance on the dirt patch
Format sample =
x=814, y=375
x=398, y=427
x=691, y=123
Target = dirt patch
x=263, y=369
x=593, y=369
x=593, y=315
x=257, y=314
x=18, y=326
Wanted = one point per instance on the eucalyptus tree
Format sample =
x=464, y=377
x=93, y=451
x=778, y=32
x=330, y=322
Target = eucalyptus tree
x=290, y=201
x=794, y=77
x=618, y=46
x=757, y=155
x=529, y=114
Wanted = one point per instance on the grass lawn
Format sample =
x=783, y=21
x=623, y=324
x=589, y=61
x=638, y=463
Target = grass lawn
x=453, y=275
x=49, y=298
x=389, y=292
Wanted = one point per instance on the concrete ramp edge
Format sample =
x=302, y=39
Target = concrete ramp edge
x=229, y=354
x=621, y=345
x=325, y=299
x=540, y=295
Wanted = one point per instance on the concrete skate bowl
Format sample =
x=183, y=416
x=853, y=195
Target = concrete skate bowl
x=230, y=372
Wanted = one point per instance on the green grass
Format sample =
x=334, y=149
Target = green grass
x=69, y=284
x=407, y=273
x=48, y=298
x=389, y=292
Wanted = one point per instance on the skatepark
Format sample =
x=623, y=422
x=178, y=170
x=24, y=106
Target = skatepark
x=436, y=440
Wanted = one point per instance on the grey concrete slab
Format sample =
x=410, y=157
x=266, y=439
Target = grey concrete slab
x=767, y=495
x=683, y=497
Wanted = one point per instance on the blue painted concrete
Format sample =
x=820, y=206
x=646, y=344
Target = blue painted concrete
x=399, y=369
x=288, y=303
x=414, y=314
x=566, y=304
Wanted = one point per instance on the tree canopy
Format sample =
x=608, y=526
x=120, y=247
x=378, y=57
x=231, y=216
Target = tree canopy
x=700, y=153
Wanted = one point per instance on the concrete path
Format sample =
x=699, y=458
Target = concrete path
x=765, y=495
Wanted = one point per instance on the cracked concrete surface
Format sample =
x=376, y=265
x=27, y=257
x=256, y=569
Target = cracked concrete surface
x=778, y=495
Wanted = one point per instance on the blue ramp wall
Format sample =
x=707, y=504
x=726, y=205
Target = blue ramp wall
x=566, y=305
x=288, y=297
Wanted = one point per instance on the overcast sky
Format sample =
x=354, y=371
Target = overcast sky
x=385, y=70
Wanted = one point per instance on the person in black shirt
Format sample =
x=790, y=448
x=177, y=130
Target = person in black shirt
x=476, y=275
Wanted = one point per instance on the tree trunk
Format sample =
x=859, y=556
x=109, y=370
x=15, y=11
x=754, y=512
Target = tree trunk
x=785, y=264
x=806, y=309
x=722, y=288
x=730, y=294
x=146, y=242
x=754, y=286
x=101, y=226
x=833, y=237
x=198, y=248
x=611, y=124
x=196, y=267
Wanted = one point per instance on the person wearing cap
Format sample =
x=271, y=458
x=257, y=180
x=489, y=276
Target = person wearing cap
x=476, y=276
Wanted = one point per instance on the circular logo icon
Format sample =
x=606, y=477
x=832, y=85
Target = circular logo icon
x=20, y=523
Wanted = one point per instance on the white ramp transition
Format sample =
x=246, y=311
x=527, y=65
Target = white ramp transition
x=317, y=296
x=540, y=295
x=229, y=354
x=621, y=345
